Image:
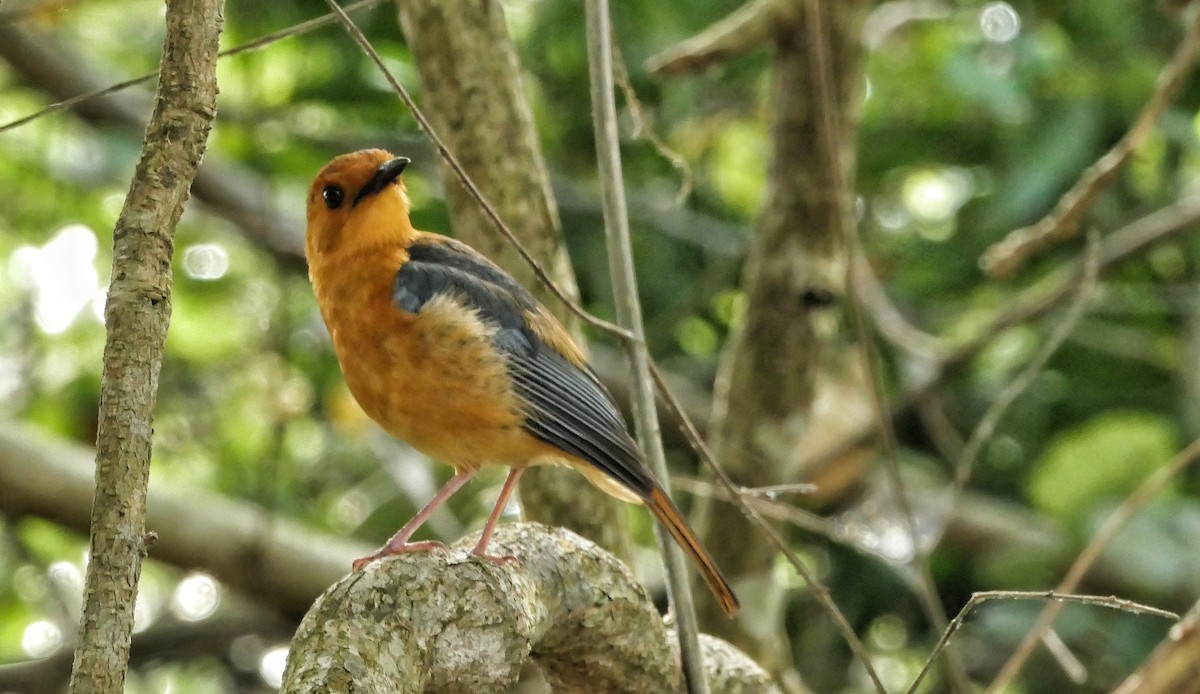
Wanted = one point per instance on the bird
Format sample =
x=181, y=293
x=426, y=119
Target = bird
x=449, y=353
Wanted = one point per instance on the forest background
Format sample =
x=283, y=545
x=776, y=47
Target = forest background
x=1023, y=398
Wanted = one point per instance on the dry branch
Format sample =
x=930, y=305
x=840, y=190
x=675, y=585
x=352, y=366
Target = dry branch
x=244, y=546
x=753, y=26
x=136, y=315
x=629, y=314
x=228, y=189
x=1007, y=256
x=1108, y=531
x=444, y=622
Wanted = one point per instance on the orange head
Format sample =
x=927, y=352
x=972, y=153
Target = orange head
x=357, y=201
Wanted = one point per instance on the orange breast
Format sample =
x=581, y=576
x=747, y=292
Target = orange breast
x=432, y=379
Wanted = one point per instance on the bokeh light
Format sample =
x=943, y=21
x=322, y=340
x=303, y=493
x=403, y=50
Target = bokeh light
x=196, y=597
x=41, y=638
x=205, y=261
x=999, y=22
x=62, y=275
x=271, y=665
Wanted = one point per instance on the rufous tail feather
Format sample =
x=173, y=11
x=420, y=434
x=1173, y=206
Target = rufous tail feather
x=669, y=516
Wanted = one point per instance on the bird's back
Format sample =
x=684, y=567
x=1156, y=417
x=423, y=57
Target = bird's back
x=433, y=378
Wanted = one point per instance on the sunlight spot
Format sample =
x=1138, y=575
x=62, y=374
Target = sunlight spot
x=61, y=274
x=67, y=576
x=41, y=639
x=934, y=196
x=11, y=376
x=999, y=22
x=271, y=666
x=196, y=597
x=205, y=261
x=888, y=633
x=350, y=510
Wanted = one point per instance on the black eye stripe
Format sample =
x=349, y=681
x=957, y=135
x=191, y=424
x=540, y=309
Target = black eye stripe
x=333, y=196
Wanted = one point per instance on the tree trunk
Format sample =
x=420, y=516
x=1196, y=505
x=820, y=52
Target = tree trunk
x=136, y=316
x=794, y=279
x=476, y=102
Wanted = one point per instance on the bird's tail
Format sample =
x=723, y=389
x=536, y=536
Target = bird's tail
x=669, y=516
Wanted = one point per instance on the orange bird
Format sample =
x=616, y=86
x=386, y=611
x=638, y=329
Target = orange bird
x=446, y=351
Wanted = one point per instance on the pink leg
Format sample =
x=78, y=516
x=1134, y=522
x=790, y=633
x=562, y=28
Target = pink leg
x=399, y=542
x=506, y=491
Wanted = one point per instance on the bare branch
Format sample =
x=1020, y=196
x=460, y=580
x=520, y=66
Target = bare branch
x=1115, y=522
x=445, y=622
x=1007, y=256
x=136, y=316
x=231, y=191
x=629, y=313
x=991, y=418
x=820, y=591
x=754, y=25
x=245, y=547
x=1057, y=598
x=10, y=33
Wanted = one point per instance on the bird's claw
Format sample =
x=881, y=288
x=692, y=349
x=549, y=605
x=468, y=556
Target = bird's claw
x=397, y=548
x=498, y=560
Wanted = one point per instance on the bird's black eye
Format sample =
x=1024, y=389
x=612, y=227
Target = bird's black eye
x=333, y=196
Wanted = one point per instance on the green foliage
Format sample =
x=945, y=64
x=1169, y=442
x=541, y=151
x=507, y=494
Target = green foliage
x=1105, y=458
x=962, y=139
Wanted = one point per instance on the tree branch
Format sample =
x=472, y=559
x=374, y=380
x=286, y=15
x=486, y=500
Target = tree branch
x=629, y=315
x=752, y=26
x=244, y=546
x=1113, y=524
x=231, y=191
x=1006, y=257
x=444, y=622
x=136, y=315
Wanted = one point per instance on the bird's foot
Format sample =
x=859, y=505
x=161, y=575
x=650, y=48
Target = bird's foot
x=498, y=560
x=397, y=548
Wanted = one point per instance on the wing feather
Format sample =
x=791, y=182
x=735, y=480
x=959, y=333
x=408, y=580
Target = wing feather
x=563, y=403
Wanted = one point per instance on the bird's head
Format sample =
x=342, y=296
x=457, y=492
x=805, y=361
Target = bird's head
x=356, y=201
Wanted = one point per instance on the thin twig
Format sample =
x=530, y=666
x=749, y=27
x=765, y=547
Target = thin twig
x=819, y=590
x=991, y=418
x=642, y=129
x=1061, y=652
x=1005, y=257
x=829, y=120
x=629, y=312
x=1113, y=525
x=805, y=520
x=1034, y=301
x=1054, y=597
x=294, y=30
x=748, y=28
x=468, y=184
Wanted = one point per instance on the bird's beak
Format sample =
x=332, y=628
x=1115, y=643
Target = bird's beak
x=384, y=175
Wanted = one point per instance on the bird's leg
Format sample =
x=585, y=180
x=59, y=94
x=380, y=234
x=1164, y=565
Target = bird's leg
x=399, y=542
x=506, y=491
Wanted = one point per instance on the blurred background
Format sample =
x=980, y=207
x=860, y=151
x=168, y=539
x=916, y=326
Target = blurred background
x=975, y=118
